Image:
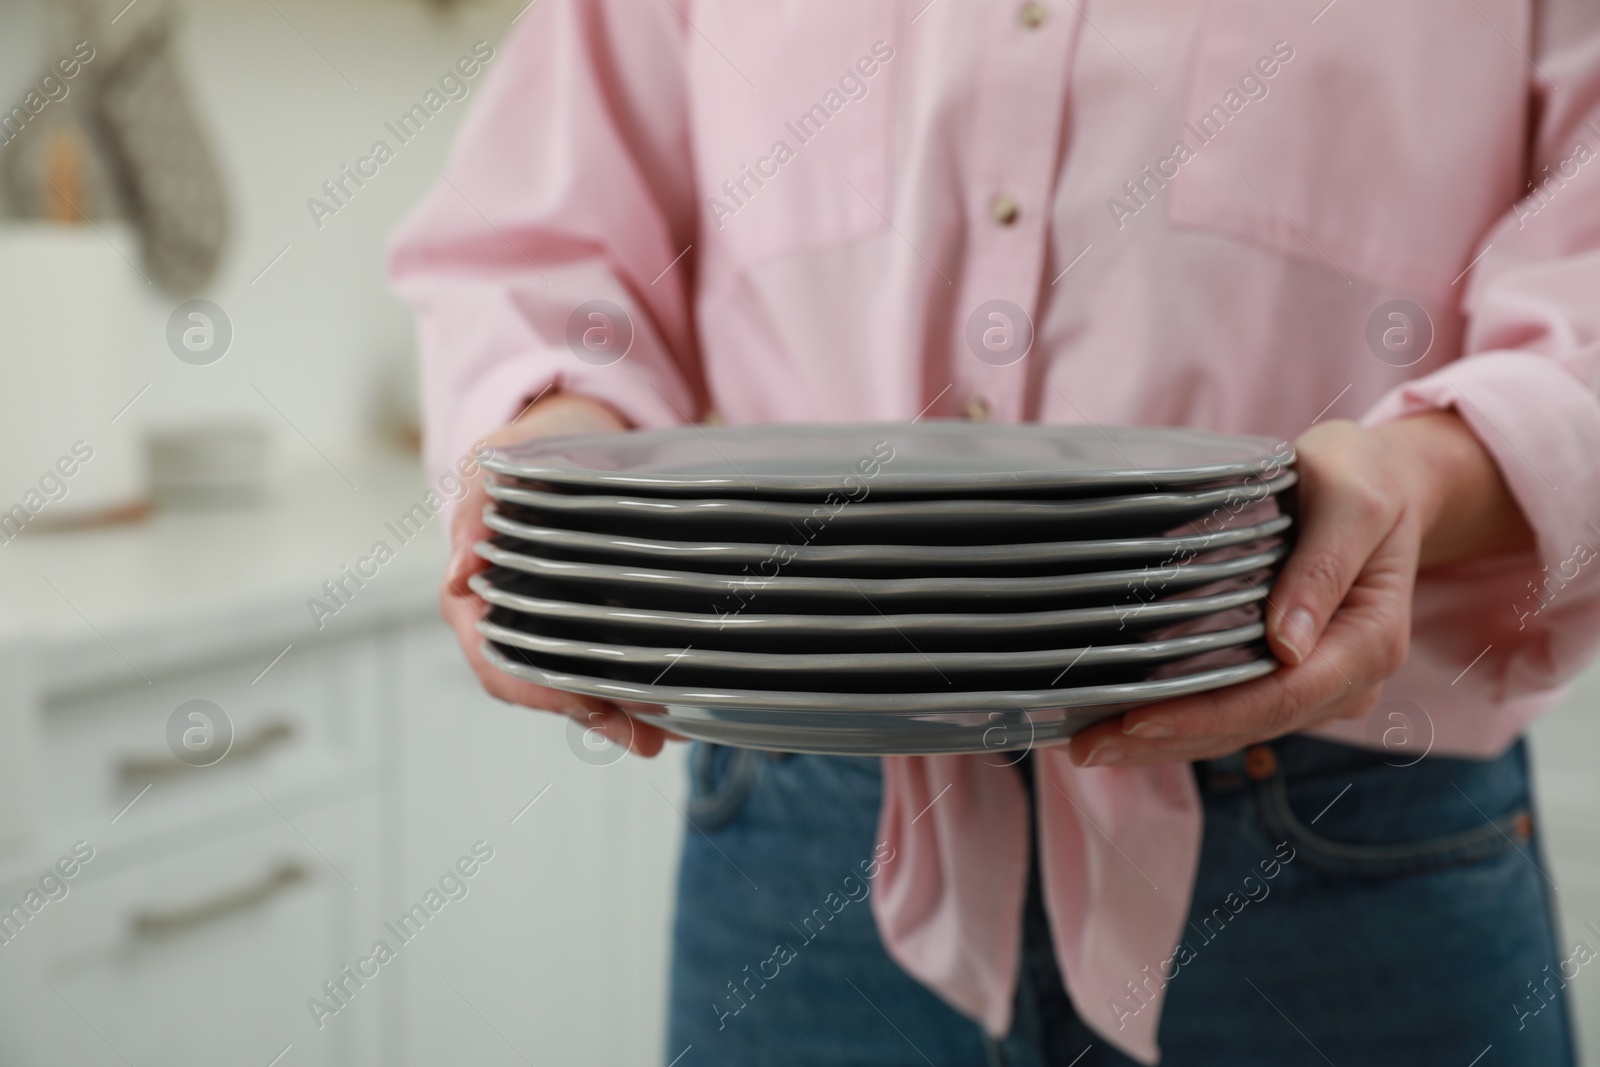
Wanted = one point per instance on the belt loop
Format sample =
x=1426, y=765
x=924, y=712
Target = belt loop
x=1221, y=774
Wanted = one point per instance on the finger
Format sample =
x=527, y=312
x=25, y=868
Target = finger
x=642, y=738
x=1265, y=707
x=1354, y=656
x=1354, y=705
x=1364, y=644
x=466, y=530
x=627, y=731
x=462, y=609
x=462, y=614
x=649, y=713
x=1176, y=726
x=646, y=740
x=1345, y=514
x=593, y=713
x=621, y=729
x=1348, y=705
x=554, y=413
x=1134, y=753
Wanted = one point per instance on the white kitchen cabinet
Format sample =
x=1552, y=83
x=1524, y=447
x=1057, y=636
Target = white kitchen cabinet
x=218, y=898
x=309, y=722
x=203, y=958
x=559, y=954
x=377, y=759
x=256, y=879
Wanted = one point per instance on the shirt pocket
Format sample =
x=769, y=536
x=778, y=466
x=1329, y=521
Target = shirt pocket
x=792, y=109
x=1381, y=141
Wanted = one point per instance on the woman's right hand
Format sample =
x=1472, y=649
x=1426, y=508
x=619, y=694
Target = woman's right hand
x=462, y=608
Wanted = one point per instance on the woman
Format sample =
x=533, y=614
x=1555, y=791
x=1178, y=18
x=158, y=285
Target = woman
x=1250, y=216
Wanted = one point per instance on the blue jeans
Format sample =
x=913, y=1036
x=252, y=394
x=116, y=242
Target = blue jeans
x=1407, y=920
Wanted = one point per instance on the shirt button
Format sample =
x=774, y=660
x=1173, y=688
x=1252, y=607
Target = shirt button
x=1033, y=14
x=1004, y=209
x=977, y=409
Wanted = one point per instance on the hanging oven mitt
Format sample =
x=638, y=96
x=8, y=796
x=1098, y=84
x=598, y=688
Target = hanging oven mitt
x=168, y=178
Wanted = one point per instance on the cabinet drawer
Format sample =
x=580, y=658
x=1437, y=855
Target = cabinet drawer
x=206, y=958
x=310, y=719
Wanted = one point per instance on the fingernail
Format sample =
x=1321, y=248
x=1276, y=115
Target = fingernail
x=1103, y=755
x=1298, y=633
x=1149, y=730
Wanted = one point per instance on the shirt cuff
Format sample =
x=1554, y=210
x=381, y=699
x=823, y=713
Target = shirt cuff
x=1539, y=423
x=502, y=394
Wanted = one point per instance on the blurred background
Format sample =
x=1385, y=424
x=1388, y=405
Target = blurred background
x=239, y=461
x=232, y=755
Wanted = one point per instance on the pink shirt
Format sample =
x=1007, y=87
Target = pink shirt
x=1201, y=208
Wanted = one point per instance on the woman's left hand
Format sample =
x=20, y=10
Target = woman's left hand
x=1375, y=506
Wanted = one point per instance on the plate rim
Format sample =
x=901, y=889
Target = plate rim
x=885, y=703
x=994, y=508
x=588, y=477
x=695, y=730
x=1163, y=610
x=692, y=583
x=1112, y=655
x=869, y=554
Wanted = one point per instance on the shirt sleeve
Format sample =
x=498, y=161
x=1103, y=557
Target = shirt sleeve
x=570, y=183
x=1528, y=378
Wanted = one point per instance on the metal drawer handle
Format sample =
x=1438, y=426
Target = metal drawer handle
x=152, y=924
x=142, y=769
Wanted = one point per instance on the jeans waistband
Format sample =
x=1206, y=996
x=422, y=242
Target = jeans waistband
x=1301, y=758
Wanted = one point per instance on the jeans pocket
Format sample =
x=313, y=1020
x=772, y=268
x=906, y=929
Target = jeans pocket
x=1443, y=826
x=720, y=782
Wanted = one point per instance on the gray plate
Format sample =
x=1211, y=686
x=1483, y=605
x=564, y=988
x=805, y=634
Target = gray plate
x=925, y=457
x=679, y=628
x=1007, y=519
x=1006, y=736
x=885, y=662
x=611, y=580
x=706, y=555
x=884, y=703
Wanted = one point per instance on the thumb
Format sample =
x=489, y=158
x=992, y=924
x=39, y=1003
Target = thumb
x=1340, y=530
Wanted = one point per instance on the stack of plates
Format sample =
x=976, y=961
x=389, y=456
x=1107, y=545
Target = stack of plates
x=875, y=589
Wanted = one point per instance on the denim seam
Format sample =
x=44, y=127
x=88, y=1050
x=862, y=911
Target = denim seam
x=724, y=799
x=1377, y=860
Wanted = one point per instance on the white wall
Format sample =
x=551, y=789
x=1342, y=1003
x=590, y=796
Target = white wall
x=1567, y=785
x=319, y=331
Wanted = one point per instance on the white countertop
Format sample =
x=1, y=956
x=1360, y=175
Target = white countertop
x=103, y=607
